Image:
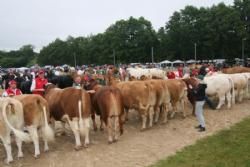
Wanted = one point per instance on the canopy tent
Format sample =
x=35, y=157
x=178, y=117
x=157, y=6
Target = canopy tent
x=178, y=62
x=166, y=62
x=190, y=61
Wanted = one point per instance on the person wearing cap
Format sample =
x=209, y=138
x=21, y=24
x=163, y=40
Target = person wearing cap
x=12, y=90
x=199, y=93
x=38, y=84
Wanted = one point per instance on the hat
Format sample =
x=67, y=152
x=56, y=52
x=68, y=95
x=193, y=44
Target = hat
x=41, y=72
x=12, y=82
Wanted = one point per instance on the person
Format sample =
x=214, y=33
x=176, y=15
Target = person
x=199, y=93
x=180, y=71
x=38, y=84
x=171, y=75
x=77, y=82
x=12, y=90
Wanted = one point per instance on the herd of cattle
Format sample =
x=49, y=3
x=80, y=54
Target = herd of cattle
x=152, y=98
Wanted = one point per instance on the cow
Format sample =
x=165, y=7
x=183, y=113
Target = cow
x=107, y=102
x=221, y=86
x=240, y=85
x=178, y=92
x=136, y=95
x=160, y=98
x=36, y=117
x=236, y=69
x=12, y=119
x=72, y=106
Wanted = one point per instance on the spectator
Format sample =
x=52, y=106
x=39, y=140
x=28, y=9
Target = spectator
x=38, y=84
x=199, y=93
x=12, y=90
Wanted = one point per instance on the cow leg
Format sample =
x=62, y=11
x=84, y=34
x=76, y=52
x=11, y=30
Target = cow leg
x=34, y=136
x=144, y=121
x=46, y=147
x=165, y=113
x=75, y=128
x=126, y=114
x=228, y=96
x=174, y=110
x=7, y=145
x=19, y=147
x=157, y=114
x=87, y=127
x=109, y=126
x=93, y=120
x=221, y=101
x=151, y=116
x=183, y=107
x=241, y=94
x=116, y=127
x=101, y=124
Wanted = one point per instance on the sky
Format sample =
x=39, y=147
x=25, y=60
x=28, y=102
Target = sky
x=39, y=22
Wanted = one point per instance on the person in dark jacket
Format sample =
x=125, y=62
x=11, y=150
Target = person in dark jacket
x=200, y=95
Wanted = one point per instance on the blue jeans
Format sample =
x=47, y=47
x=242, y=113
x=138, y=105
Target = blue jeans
x=199, y=112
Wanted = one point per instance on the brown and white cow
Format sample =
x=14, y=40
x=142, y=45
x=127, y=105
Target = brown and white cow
x=107, y=102
x=178, y=92
x=160, y=98
x=11, y=119
x=73, y=106
x=136, y=95
x=36, y=116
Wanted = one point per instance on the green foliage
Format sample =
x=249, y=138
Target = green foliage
x=218, y=32
x=228, y=148
x=17, y=58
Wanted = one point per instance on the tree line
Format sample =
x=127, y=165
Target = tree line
x=219, y=31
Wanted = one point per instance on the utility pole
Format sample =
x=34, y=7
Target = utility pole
x=195, y=58
x=243, y=51
x=114, y=56
x=152, y=54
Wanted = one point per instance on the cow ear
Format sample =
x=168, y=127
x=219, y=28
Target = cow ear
x=90, y=91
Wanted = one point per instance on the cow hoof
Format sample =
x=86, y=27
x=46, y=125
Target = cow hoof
x=115, y=140
x=37, y=156
x=101, y=129
x=110, y=142
x=77, y=148
x=8, y=161
x=20, y=156
x=86, y=145
x=46, y=150
x=164, y=122
x=95, y=129
x=142, y=130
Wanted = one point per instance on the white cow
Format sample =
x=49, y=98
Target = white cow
x=148, y=72
x=240, y=85
x=12, y=119
x=221, y=86
x=247, y=92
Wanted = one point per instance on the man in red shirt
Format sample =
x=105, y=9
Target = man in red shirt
x=38, y=84
x=12, y=90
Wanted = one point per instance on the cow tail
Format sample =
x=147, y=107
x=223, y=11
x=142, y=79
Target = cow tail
x=48, y=132
x=81, y=124
x=19, y=134
x=233, y=91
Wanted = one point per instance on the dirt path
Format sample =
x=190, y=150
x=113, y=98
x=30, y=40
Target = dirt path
x=135, y=148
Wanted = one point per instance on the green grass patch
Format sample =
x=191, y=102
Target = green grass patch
x=227, y=148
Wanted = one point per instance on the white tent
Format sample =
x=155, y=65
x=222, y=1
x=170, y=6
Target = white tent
x=177, y=61
x=166, y=62
x=191, y=61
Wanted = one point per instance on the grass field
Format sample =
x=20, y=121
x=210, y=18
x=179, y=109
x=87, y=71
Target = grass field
x=228, y=148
